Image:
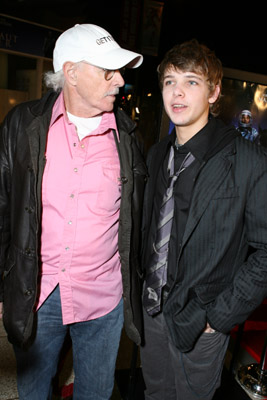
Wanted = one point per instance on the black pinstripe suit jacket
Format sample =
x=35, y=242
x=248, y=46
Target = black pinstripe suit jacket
x=222, y=263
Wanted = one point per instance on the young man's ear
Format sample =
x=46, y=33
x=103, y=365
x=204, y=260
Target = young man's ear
x=70, y=72
x=215, y=94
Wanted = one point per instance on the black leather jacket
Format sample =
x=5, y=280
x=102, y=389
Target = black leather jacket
x=22, y=148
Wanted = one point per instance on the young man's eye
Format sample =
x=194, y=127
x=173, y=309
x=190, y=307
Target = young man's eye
x=192, y=83
x=168, y=82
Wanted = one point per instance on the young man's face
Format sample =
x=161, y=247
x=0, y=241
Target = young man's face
x=186, y=98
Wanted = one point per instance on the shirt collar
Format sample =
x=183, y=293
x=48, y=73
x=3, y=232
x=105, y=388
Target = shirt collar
x=108, y=118
x=58, y=109
x=199, y=144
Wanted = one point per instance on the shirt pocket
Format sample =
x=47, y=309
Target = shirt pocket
x=109, y=190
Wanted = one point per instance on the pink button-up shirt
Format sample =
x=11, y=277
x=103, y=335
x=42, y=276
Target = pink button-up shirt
x=81, y=205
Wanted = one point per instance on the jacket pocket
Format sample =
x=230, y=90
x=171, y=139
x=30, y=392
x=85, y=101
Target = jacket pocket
x=226, y=193
x=8, y=268
x=187, y=324
x=208, y=292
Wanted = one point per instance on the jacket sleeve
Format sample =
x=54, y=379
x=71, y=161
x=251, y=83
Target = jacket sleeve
x=4, y=201
x=249, y=286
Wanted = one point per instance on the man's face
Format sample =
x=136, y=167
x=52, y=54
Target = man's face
x=245, y=118
x=186, y=98
x=92, y=93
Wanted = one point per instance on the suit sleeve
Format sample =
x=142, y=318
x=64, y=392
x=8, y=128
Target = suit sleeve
x=249, y=286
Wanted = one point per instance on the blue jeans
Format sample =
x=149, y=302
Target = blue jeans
x=94, y=345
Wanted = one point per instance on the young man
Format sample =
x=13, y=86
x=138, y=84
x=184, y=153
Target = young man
x=71, y=185
x=204, y=208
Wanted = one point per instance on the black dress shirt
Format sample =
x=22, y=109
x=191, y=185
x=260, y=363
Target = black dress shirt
x=198, y=145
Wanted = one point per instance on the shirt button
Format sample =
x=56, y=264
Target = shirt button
x=70, y=222
x=67, y=248
x=63, y=270
x=72, y=195
x=75, y=170
x=82, y=146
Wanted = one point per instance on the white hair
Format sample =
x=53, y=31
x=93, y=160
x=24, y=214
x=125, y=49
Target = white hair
x=55, y=80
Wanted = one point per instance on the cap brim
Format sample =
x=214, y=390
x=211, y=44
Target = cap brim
x=116, y=59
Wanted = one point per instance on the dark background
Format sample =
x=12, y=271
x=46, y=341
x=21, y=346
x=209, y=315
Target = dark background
x=236, y=31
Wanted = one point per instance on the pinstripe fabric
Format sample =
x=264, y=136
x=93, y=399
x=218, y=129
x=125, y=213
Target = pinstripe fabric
x=217, y=279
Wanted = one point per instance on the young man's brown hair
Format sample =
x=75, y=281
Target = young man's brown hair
x=194, y=57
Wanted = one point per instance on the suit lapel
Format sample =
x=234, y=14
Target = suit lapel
x=155, y=162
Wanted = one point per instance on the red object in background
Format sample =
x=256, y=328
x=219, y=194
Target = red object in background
x=254, y=330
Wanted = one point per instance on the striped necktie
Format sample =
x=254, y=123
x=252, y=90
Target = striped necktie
x=156, y=272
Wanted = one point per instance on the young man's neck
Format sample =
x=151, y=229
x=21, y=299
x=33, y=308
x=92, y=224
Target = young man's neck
x=185, y=133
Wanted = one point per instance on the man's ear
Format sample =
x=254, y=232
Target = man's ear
x=70, y=72
x=215, y=94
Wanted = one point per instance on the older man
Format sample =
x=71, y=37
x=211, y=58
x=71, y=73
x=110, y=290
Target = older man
x=71, y=186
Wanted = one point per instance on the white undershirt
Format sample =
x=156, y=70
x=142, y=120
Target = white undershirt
x=84, y=126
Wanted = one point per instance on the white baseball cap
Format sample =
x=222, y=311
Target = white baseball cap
x=90, y=43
